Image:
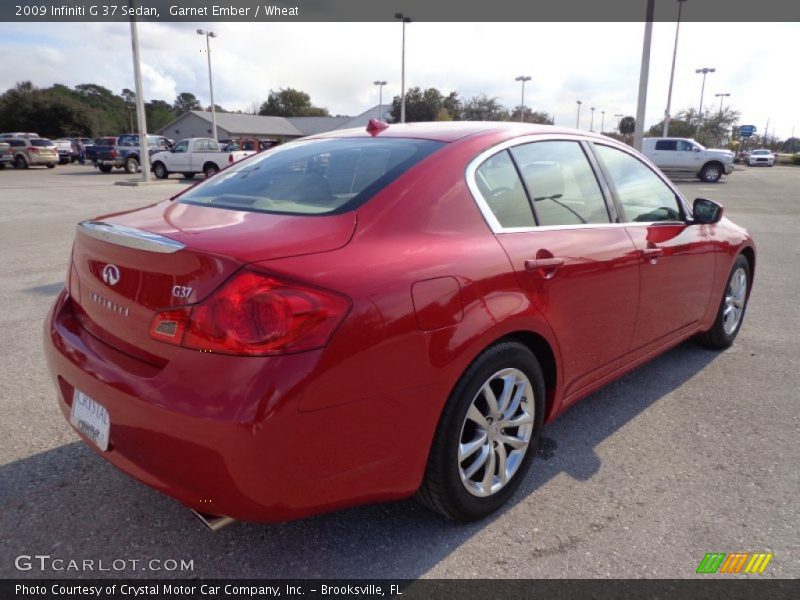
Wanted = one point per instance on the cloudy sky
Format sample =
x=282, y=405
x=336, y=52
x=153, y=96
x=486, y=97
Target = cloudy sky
x=336, y=63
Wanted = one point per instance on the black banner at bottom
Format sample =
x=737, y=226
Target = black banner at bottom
x=405, y=589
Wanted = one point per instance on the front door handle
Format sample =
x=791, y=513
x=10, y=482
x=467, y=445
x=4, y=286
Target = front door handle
x=545, y=266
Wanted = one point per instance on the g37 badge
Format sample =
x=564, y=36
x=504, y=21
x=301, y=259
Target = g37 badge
x=181, y=291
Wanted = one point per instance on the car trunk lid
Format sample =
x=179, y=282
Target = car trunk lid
x=127, y=267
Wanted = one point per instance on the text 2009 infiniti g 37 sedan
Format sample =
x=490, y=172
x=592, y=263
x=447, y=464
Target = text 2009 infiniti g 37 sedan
x=368, y=315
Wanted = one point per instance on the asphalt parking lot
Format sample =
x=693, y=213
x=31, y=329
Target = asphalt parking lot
x=695, y=452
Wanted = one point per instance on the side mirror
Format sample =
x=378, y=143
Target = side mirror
x=695, y=149
x=706, y=212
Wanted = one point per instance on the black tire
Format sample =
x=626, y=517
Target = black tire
x=51, y=165
x=188, y=175
x=104, y=168
x=712, y=172
x=132, y=165
x=2, y=166
x=20, y=162
x=160, y=170
x=442, y=489
x=717, y=338
x=210, y=170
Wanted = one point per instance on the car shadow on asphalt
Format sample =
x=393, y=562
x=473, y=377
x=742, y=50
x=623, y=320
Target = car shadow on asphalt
x=68, y=503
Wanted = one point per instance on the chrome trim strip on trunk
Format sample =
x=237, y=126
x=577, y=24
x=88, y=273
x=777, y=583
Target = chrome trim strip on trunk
x=129, y=237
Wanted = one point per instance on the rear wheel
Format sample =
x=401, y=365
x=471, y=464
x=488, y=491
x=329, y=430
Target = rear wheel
x=51, y=165
x=210, y=169
x=131, y=165
x=188, y=175
x=104, y=168
x=20, y=162
x=731, y=309
x=160, y=170
x=487, y=434
x=711, y=173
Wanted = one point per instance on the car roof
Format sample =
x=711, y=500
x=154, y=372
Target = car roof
x=450, y=131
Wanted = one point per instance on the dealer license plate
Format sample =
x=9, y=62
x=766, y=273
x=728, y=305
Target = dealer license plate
x=91, y=419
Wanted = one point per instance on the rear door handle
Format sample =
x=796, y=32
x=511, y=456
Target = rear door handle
x=653, y=254
x=546, y=266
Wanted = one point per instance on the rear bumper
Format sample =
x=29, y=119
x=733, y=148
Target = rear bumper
x=223, y=434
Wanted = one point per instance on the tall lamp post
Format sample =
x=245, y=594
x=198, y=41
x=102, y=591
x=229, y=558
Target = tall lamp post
x=721, y=96
x=591, y=121
x=404, y=20
x=141, y=118
x=602, y=120
x=644, y=75
x=705, y=71
x=578, y=124
x=210, y=34
x=672, y=72
x=380, y=85
x=523, y=79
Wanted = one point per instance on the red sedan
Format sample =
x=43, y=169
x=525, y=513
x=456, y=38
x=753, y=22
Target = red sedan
x=368, y=315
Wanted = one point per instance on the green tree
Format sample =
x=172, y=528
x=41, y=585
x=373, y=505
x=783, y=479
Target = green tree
x=627, y=125
x=186, y=101
x=484, y=108
x=531, y=116
x=289, y=102
x=158, y=114
x=424, y=105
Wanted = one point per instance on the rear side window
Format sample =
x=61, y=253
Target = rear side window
x=666, y=145
x=312, y=177
x=502, y=189
x=642, y=193
x=561, y=183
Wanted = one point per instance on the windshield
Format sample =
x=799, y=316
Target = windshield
x=312, y=177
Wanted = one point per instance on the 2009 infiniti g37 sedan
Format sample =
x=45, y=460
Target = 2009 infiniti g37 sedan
x=372, y=314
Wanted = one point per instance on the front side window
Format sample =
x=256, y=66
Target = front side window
x=642, y=193
x=685, y=146
x=561, y=183
x=501, y=187
x=312, y=177
x=182, y=146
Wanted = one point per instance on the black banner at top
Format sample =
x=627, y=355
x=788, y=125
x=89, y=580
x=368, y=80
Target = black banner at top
x=386, y=10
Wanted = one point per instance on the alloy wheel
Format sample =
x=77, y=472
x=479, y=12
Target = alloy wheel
x=735, y=299
x=496, y=432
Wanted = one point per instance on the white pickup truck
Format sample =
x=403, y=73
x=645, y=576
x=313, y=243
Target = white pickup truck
x=682, y=156
x=192, y=156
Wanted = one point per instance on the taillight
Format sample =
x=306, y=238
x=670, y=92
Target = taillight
x=230, y=159
x=113, y=153
x=254, y=314
x=33, y=149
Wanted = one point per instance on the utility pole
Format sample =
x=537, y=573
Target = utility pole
x=644, y=73
x=523, y=79
x=672, y=72
x=705, y=71
x=144, y=147
x=405, y=20
x=578, y=124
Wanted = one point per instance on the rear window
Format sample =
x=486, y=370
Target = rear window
x=40, y=142
x=312, y=177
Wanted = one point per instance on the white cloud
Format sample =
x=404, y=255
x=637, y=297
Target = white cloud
x=336, y=63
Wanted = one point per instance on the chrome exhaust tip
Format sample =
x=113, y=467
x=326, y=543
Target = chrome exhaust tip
x=212, y=522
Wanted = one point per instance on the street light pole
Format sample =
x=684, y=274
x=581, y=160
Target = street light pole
x=644, y=74
x=405, y=20
x=578, y=124
x=210, y=34
x=144, y=147
x=705, y=71
x=523, y=79
x=591, y=121
x=602, y=120
x=672, y=72
x=380, y=85
x=721, y=96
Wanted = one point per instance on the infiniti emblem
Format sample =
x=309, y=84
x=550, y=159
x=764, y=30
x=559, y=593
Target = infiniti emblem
x=111, y=274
